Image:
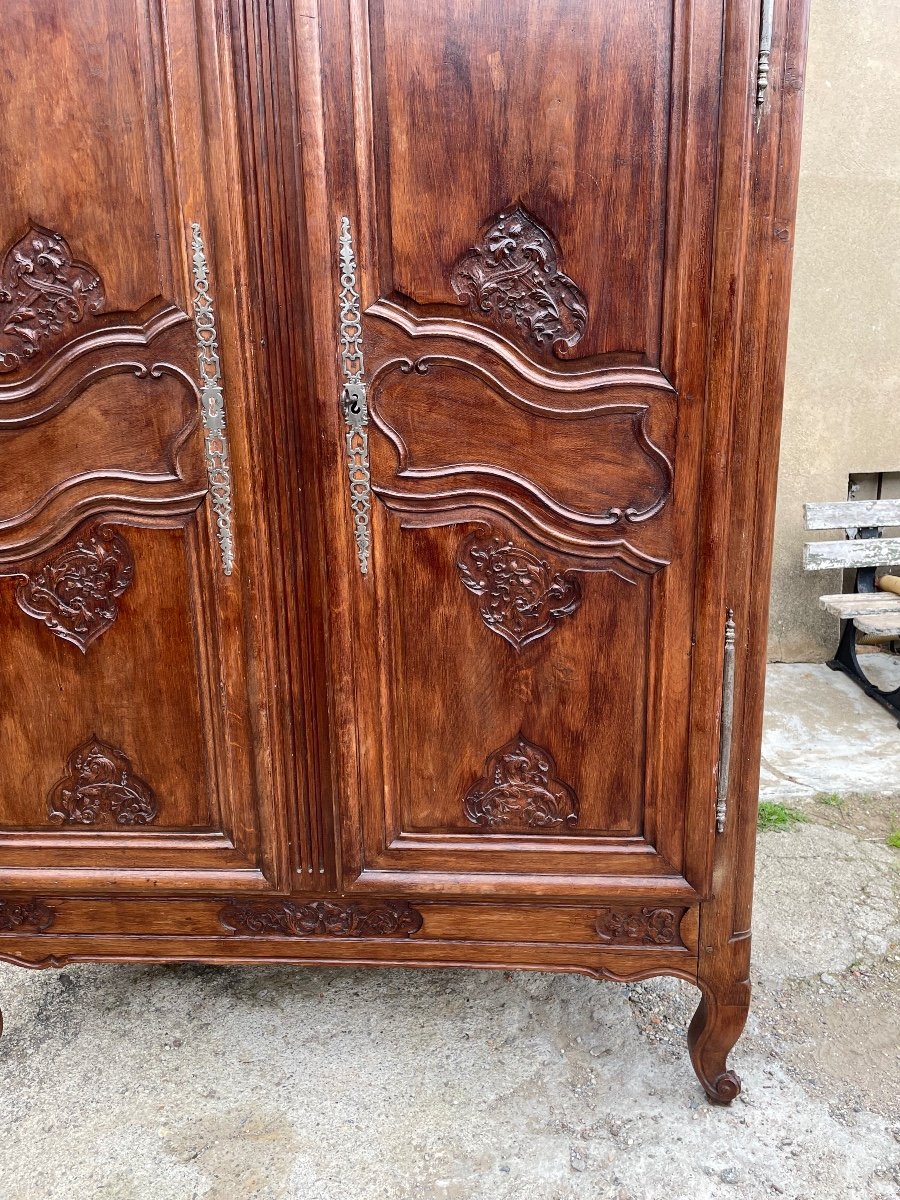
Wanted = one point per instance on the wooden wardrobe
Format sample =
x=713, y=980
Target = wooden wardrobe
x=389, y=412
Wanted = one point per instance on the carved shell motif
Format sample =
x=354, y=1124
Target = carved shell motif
x=513, y=274
x=521, y=597
x=519, y=788
x=101, y=786
x=75, y=593
x=43, y=290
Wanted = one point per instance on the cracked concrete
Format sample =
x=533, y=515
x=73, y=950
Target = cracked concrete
x=206, y=1083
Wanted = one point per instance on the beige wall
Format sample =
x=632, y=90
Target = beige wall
x=842, y=393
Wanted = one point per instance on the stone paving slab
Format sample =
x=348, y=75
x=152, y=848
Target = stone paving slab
x=823, y=735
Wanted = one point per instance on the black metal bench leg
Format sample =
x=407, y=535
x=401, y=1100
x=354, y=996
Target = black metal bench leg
x=846, y=660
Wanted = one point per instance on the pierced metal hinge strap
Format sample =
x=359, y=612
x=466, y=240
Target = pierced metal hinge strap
x=726, y=729
x=766, y=22
x=354, y=401
x=212, y=401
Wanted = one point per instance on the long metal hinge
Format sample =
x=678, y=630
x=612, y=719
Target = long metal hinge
x=212, y=401
x=354, y=402
x=726, y=728
x=766, y=21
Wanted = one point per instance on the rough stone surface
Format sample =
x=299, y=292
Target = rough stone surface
x=805, y=877
x=207, y=1083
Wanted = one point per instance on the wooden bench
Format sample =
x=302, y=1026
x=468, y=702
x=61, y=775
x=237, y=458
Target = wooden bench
x=873, y=608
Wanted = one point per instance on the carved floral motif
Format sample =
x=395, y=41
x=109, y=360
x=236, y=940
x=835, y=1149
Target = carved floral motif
x=322, y=918
x=638, y=926
x=521, y=597
x=519, y=788
x=101, y=785
x=75, y=593
x=25, y=914
x=43, y=291
x=513, y=274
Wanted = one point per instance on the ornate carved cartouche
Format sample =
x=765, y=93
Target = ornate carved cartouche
x=75, y=593
x=520, y=790
x=101, y=786
x=322, y=918
x=513, y=273
x=521, y=597
x=43, y=291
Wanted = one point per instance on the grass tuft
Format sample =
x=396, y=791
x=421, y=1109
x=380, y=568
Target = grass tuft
x=832, y=799
x=777, y=816
x=893, y=839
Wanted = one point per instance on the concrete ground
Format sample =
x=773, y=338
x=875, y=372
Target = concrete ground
x=182, y=1083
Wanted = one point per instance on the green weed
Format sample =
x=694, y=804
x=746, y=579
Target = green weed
x=777, y=816
x=832, y=799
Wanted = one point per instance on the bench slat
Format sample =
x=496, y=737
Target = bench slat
x=869, y=552
x=849, y=606
x=852, y=514
x=884, y=624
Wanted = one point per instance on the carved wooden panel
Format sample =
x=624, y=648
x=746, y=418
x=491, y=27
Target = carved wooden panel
x=44, y=292
x=514, y=274
x=645, y=926
x=126, y=389
x=477, y=108
x=98, y=391
x=520, y=790
x=457, y=688
x=25, y=915
x=76, y=592
x=139, y=687
x=466, y=437
x=114, y=230
x=101, y=786
x=534, y=232
x=322, y=918
x=63, y=175
x=521, y=598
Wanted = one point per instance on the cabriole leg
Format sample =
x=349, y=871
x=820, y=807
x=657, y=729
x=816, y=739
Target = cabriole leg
x=713, y=1032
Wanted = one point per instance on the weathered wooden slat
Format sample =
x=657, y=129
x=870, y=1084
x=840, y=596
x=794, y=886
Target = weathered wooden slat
x=848, y=606
x=870, y=552
x=852, y=514
x=882, y=624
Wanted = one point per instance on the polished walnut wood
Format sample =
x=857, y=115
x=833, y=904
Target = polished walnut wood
x=389, y=401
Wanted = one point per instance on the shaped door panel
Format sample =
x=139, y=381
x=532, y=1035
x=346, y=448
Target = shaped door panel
x=514, y=208
x=129, y=540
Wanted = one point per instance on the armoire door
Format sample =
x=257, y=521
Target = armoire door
x=129, y=532
x=510, y=218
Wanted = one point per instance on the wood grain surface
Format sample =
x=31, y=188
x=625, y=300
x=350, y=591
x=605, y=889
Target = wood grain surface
x=571, y=235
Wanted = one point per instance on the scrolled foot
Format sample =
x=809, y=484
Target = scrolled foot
x=724, y=1088
x=712, y=1034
